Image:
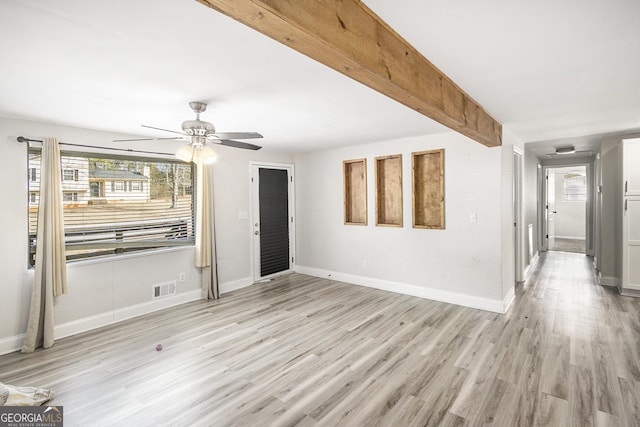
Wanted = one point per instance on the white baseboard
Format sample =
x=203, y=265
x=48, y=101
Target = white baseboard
x=607, y=280
x=508, y=300
x=496, y=306
x=569, y=237
x=235, y=285
x=632, y=287
x=11, y=344
x=532, y=265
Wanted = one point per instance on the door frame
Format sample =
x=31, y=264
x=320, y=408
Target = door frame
x=590, y=205
x=254, y=217
x=518, y=213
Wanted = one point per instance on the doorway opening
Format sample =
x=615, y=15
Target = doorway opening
x=566, y=209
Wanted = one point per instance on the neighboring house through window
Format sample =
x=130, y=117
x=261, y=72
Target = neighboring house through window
x=118, y=204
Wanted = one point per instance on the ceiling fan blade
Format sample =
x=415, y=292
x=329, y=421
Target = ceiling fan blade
x=164, y=130
x=146, y=139
x=238, y=144
x=236, y=135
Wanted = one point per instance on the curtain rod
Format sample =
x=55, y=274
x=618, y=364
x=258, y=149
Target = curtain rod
x=129, y=150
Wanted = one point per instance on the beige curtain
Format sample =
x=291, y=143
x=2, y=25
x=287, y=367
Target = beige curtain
x=50, y=273
x=205, y=233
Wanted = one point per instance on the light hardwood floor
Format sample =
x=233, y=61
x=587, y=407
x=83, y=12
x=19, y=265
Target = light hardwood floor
x=306, y=351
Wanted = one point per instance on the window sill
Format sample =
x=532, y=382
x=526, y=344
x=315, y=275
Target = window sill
x=126, y=256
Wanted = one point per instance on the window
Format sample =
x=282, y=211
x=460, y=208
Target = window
x=70, y=174
x=69, y=196
x=157, y=212
x=575, y=187
x=32, y=174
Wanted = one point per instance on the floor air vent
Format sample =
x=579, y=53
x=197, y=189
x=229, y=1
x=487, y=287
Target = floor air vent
x=161, y=290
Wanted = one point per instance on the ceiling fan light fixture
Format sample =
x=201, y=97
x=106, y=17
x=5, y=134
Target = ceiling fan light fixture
x=185, y=153
x=207, y=155
x=197, y=154
x=566, y=150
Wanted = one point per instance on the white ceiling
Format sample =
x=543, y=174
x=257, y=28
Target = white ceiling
x=548, y=70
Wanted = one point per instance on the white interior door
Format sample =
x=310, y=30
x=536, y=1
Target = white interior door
x=550, y=210
x=631, y=242
x=631, y=216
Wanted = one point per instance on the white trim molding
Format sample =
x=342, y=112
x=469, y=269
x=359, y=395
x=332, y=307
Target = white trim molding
x=496, y=306
x=120, y=314
x=608, y=280
x=235, y=285
x=532, y=265
x=508, y=300
x=11, y=344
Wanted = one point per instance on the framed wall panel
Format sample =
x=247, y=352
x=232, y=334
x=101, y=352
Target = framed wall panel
x=355, y=191
x=428, y=189
x=388, y=178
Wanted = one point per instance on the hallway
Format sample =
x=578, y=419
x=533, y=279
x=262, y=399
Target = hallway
x=590, y=338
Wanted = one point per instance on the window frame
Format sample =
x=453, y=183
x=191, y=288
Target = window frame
x=74, y=175
x=174, y=238
x=72, y=196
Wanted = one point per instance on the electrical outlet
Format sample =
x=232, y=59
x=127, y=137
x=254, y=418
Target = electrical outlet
x=182, y=277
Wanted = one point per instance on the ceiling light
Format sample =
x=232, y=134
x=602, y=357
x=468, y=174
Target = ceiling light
x=196, y=153
x=566, y=150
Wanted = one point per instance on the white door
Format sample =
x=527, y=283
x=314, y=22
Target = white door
x=550, y=210
x=272, y=219
x=631, y=216
x=631, y=153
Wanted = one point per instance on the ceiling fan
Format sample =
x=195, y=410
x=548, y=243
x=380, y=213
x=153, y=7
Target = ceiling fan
x=199, y=132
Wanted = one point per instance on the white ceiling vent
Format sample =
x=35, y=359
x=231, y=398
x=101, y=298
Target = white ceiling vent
x=164, y=289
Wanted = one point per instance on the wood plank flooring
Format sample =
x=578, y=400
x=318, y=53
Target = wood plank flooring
x=306, y=351
x=568, y=245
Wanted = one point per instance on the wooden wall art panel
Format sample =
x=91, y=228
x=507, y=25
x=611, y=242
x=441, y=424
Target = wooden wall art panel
x=428, y=189
x=355, y=191
x=388, y=178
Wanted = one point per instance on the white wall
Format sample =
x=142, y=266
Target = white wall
x=570, y=221
x=461, y=264
x=101, y=291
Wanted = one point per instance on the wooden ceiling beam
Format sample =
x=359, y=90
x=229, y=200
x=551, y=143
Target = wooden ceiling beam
x=348, y=37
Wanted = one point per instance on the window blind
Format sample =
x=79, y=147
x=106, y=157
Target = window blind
x=117, y=204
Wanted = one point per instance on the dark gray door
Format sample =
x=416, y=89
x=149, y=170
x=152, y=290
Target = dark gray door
x=274, y=221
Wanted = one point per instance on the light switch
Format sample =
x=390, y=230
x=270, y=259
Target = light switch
x=473, y=217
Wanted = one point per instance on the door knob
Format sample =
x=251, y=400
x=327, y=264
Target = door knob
x=256, y=232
